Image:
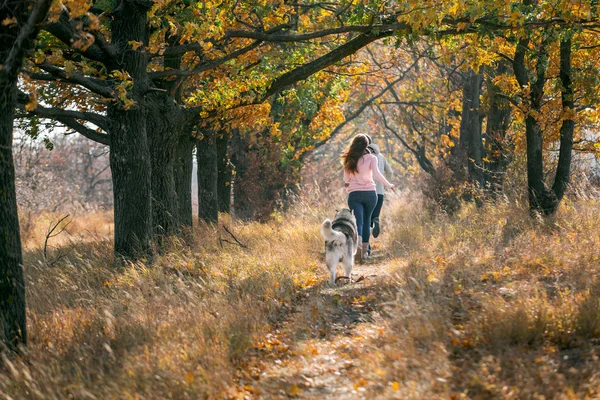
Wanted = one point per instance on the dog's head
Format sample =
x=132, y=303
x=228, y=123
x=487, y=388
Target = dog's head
x=344, y=214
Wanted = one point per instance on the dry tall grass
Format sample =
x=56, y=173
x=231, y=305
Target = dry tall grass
x=493, y=304
x=174, y=328
x=490, y=303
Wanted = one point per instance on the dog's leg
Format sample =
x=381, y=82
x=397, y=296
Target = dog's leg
x=347, y=264
x=332, y=272
x=332, y=260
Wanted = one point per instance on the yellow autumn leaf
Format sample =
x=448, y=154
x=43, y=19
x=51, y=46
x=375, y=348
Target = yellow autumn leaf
x=189, y=378
x=135, y=44
x=395, y=386
x=32, y=104
x=9, y=21
x=360, y=383
x=294, y=390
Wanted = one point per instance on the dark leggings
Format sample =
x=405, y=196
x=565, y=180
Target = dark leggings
x=377, y=209
x=363, y=203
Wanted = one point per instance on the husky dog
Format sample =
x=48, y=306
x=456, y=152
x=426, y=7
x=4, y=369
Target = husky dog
x=341, y=242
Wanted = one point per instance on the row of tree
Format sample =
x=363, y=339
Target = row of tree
x=259, y=84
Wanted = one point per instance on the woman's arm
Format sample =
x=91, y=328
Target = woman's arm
x=378, y=175
x=387, y=169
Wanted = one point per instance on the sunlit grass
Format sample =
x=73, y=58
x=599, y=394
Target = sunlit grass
x=490, y=303
x=176, y=327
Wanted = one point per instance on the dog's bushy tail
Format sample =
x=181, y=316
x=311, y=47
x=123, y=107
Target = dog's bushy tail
x=329, y=234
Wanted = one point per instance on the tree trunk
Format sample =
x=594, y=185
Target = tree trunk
x=563, y=170
x=206, y=156
x=129, y=151
x=184, y=164
x=470, y=146
x=163, y=137
x=15, y=40
x=540, y=197
x=12, y=283
x=498, y=120
x=225, y=172
x=242, y=201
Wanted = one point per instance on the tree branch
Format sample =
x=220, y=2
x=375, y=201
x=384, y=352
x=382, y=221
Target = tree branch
x=55, y=113
x=287, y=37
x=306, y=70
x=83, y=130
x=419, y=152
x=64, y=31
x=12, y=65
x=206, y=65
x=95, y=86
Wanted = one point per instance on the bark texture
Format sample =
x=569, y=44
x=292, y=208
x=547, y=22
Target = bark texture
x=470, y=148
x=15, y=40
x=563, y=169
x=129, y=151
x=225, y=172
x=542, y=198
x=163, y=138
x=498, y=120
x=12, y=284
x=184, y=164
x=206, y=156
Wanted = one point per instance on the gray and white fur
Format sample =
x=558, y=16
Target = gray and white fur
x=341, y=242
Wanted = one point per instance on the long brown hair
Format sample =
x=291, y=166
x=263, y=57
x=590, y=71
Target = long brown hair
x=355, y=152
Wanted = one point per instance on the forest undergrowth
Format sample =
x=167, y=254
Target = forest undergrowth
x=490, y=303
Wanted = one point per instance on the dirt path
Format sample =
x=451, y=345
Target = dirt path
x=315, y=352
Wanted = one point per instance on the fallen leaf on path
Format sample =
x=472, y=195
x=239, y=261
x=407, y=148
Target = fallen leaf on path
x=294, y=390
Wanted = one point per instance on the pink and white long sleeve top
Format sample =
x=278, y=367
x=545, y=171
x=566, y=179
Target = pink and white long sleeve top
x=363, y=179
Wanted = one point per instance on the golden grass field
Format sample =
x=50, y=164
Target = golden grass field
x=490, y=303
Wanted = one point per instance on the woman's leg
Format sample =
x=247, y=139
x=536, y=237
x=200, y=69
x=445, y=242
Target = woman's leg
x=375, y=216
x=377, y=209
x=369, y=201
x=355, y=204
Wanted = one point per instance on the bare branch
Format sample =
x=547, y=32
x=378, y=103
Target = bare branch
x=83, y=130
x=419, y=152
x=234, y=238
x=52, y=232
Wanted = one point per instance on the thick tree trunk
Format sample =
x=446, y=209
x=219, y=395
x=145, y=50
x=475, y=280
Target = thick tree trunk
x=131, y=177
x=498, y=120
x=15, y=39
x=184, y=164
x=129, y=150
x=163, y=137
x=12, y=283
x=206, y=156
x=470, y=147
x=225, y=172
